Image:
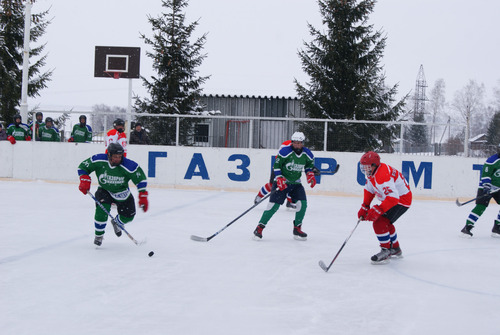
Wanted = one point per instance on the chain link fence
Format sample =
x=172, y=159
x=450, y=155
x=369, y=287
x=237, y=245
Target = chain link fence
x=321, y=135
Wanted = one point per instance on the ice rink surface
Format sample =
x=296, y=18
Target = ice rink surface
x=53, y=280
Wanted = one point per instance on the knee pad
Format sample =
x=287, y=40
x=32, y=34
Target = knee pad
x=381, y=225
x=100, y=215
x=272, y=206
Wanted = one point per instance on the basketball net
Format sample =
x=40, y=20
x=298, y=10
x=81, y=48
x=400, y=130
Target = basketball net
x=115, y=75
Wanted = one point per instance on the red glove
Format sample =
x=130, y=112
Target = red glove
x=11, y=139
x=85, y=182
x=28, y=138
x=363, y=211
x=71, y=139
x=281, y=183
x=143, y=200
x=374, y=213
x=311, y=179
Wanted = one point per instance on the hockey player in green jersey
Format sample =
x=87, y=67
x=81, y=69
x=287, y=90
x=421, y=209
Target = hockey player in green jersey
x=47, y=132
x=37, y=123
x=489, y=187
x=82, y=132
x=113, y=171
x=18, y=131
x=288, y=167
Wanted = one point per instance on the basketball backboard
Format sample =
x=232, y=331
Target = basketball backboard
x=117, y=62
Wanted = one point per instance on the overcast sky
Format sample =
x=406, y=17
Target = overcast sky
x=252, y=45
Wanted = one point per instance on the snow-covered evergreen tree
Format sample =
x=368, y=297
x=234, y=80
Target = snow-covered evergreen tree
x=493, y=133
x=12, y=13
x=176, y=89
x=346, y=79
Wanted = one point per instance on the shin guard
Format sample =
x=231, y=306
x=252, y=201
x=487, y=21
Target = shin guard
x=381, y=229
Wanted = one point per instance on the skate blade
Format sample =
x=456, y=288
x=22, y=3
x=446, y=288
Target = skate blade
x=385, y=261
x=256, y=238
x=298, y=238
x=462, y=235
x=397, y=256
x=495, y=235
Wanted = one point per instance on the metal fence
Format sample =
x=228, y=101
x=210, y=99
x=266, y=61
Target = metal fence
x=321, y=134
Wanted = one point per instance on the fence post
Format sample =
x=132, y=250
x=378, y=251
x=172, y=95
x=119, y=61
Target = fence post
x=325, y=136
x=177, y=127
x=401, y=135
x=250, y=136
x=467, y=133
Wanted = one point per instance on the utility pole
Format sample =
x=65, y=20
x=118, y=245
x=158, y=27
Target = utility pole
x=26, y=62
x=467, y=130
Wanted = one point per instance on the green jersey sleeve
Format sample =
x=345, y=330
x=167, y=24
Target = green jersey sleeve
x=491, y=171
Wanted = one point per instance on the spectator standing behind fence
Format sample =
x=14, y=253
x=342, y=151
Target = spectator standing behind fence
x=3, y=133
x=38, y=123
x=117, y=135
x=49, y=133
x=139, y=135
x=18, y=131
x=82, y=132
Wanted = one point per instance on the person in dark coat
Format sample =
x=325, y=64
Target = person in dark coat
x=139, y=135
x=3, y=133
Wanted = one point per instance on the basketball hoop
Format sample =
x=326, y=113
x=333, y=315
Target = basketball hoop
x=117, y=62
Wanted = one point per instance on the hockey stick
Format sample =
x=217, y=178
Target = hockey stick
x=317, y=172
x=460, y=204
x=323, y=265
x=206, y=239
x=114, y=220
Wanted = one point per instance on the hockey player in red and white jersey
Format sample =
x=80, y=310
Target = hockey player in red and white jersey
x=117, y=135
x=394, y=194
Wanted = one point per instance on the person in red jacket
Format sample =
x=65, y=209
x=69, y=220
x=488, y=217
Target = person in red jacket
x=117, y=135
x=395, y=197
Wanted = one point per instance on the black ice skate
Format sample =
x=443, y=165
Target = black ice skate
x=291, y=205
x=117, y=229
x=98, y=240
x=495, y=232
x=257, y=233
x=466, y=231
x=382, y=257
x=396, y=252
x=298, y=234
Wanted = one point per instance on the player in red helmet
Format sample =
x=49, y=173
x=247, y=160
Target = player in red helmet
x=395, y=197
x=369, y=162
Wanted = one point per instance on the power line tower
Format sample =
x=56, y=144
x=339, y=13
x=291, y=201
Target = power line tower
x=418, y=134
x=419, y=98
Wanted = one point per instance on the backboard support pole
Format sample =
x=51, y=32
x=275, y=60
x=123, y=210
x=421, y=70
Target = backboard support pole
x=128, y=124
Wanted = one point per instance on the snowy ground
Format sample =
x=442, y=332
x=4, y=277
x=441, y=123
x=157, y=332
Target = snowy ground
x=53, y=280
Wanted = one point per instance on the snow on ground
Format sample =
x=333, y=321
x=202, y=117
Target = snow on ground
x=53, y=280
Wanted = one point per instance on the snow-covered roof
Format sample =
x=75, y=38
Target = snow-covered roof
x=478, y=138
